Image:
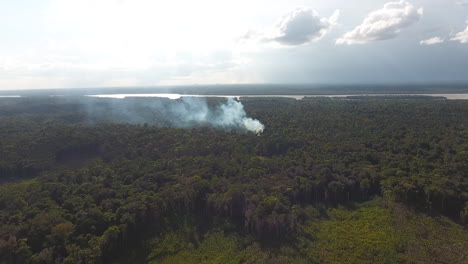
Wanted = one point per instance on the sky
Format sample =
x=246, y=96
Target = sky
x=113, y=43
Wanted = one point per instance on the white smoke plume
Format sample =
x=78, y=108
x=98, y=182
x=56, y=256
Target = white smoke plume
x=185, y=112
x=233, y=114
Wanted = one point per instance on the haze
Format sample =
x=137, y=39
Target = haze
x=68, y=43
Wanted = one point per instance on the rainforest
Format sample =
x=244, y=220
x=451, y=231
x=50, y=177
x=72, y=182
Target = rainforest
x=328, y=180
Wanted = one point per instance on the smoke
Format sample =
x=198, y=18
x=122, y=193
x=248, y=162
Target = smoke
x=233, y=114
x=185, y=112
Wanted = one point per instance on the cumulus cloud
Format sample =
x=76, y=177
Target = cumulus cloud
x=302, y=26
x=462, y=36
x=431, y=41
x=383, y=24
x=298, y=27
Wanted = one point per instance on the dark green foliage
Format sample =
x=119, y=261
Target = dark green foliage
x=100, y=190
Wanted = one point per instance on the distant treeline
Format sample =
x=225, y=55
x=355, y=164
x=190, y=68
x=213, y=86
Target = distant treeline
x=260, y=89
x=396, y=97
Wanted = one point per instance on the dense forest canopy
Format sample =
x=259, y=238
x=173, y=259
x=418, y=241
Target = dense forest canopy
x=328, y=181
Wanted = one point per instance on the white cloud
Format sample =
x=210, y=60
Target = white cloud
x=302, y=26
x=432, y=41
x=383, y=24
x=298, y=27
x=62, y=69
x=462, y=36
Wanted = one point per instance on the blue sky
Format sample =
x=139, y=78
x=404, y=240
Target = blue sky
x=96, y=43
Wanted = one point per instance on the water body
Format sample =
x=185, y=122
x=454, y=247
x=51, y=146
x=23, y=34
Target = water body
x=178, y=96
x=297, y=97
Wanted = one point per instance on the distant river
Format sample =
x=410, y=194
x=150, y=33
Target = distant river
x=297, y=97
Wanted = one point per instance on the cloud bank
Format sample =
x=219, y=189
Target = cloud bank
x=432, y=41
x=383, y=24
x=461, y=37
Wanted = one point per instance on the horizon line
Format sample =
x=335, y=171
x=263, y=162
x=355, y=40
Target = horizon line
x=313, y=85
